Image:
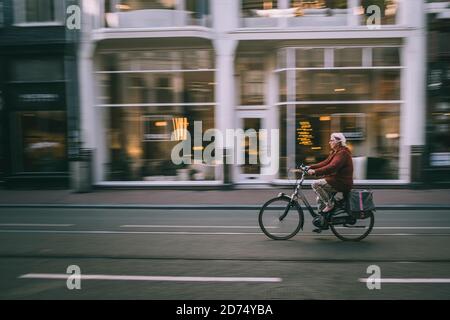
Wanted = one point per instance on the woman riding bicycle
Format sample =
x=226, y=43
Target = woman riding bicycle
x=336, y=172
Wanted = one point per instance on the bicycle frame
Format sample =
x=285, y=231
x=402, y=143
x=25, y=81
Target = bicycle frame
x=298, y=193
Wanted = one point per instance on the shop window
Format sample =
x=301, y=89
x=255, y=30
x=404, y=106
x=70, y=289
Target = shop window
x=1, y=14
x=38, y=70
x=192, y=78
x=310, y=58
x=199, y=9
x=372, y=132
x=372, y=129
x=440, y=132
x=198, y=87
x=319, y=4
x=2, y=141
x=386, y=57
x=252, y=8
x=197, y=59
x=348, y=57
x=38, y=11
x=344, y=85
x=126, y=5
x=251, y=72
x=282, y=86
x=41, y=141
x=141, y=140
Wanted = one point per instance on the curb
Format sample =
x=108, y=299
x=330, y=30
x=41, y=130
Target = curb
x=206, y=207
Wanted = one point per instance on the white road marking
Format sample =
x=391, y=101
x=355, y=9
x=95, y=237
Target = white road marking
x=34, y=225
x=184, y=226
x=126, y=232
x=406, y=280
x=257, y=227
x=148, y=278
x=411, y=228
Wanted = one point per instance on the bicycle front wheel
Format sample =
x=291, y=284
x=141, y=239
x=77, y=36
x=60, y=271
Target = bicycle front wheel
x=281, y=219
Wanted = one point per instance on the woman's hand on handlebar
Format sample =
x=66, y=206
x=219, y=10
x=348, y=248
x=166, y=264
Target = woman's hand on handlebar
x=306, y=169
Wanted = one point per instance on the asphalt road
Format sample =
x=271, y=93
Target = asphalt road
x=175, y=254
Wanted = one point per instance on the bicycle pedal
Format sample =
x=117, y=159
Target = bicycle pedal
x=317, y=230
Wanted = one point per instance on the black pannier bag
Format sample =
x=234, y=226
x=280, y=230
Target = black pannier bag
x=360, y=203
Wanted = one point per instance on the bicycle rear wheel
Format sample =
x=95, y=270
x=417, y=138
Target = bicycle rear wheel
x=355, y=230
x=275, y=223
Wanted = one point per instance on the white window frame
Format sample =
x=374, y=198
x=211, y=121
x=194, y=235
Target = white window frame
x=19, y=8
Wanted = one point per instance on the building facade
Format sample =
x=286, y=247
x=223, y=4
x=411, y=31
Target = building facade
x=38, y=92
x=154, y=73
x=437, y=159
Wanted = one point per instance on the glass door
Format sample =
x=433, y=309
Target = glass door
x=249, y=169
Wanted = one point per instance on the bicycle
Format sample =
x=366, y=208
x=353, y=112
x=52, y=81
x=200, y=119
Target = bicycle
x=279, y=222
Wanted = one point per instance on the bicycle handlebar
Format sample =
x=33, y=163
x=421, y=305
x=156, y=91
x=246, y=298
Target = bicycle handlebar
x=303, y=168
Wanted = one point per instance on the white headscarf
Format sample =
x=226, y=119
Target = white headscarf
x=339, y=137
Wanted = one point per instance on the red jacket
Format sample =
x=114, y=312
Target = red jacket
x=337, y=169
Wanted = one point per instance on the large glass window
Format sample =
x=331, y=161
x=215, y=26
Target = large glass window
x=156, y=77
x=342, y=85
x=40, y=141
x=282, y=86
x=126, y=5
x=332, y=91
x=251, y=74
x=38, y=70
x=372, y=132
x=156, y=13
x=199, y=10
x=386, y=57
x=252, y=8
x=1, y=14
x=141, y=139
x=2, y=138
x=39, y=10
x=348, y=57
x=309, y=58
x=154, y=98
x=318, y=4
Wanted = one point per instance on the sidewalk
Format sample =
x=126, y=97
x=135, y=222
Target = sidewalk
x=225, y=199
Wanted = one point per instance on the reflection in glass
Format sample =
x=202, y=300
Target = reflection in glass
x=39, y=10
x=156, y=13
x=252, y=147
x=251, y=8
x=282, y=87
x=386, y=57
x=41, y=138
x=140, y=143
x=372, y=131
x=251, y=71
x=344, y=85
x=126, y=5
x=37, y=70
x=146, y=77
x=309, y=58
x=348, y=57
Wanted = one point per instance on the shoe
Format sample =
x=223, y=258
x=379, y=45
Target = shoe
x=328, y=208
